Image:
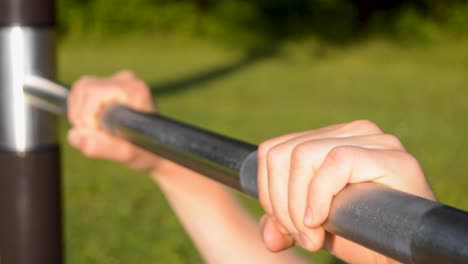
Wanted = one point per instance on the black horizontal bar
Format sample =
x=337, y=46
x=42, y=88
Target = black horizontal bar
x=219, y=157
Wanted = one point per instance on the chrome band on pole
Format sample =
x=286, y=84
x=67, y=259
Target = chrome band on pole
x=24, y=51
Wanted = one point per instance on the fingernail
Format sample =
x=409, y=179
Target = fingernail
x=308, y=217
x=305, y=240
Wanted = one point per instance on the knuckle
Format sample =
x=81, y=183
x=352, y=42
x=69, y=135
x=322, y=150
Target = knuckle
x=411, y=161
x=275, y=155
x=299, y=153
x=143, y=92
x=265, y=146
x=128, y=74
x=140, y=89
x=366, y=125
x=392, y=140
x=338, y=155
x=141, y=85
x=77, y=88
x=263, y=149
x=83, y=80
x=88, y=87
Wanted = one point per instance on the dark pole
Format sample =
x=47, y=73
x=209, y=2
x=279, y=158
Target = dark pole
x=30, y=215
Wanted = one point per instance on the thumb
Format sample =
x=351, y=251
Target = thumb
x=274, y=240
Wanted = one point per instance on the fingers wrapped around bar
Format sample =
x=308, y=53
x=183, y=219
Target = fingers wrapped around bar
x=88, y=97
x=300, y=173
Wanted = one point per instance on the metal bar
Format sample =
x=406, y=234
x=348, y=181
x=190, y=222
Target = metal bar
x=216, y=156
x=402, y=226
x=30, y=221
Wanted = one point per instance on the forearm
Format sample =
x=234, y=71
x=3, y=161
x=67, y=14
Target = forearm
x=218, y=225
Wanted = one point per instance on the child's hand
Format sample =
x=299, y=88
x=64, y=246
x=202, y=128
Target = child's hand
x=88, y=98
x=300, y=173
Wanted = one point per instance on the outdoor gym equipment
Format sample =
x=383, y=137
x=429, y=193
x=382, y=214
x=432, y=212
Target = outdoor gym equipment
x=30, y=211
x=399, y=225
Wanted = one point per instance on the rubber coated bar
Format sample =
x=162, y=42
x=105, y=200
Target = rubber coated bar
x=401, y=226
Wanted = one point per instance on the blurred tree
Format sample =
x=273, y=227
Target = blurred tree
x=263, y=20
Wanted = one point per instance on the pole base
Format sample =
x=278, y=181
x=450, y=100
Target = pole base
x=30, y=208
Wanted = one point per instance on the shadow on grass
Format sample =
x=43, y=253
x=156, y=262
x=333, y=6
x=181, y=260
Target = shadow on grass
x=192, y=81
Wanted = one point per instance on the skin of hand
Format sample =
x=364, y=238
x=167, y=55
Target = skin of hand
x=88, y=97
x=300, y=173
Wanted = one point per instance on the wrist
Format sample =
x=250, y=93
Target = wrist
x=165, y=170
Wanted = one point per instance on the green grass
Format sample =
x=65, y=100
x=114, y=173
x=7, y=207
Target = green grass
x=114, y=215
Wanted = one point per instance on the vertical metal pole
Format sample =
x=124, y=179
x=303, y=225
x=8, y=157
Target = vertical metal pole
x=30, y=215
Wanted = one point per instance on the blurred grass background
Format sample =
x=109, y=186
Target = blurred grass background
x=254, y=70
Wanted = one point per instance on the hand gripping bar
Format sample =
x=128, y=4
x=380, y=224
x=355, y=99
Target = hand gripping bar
x=399, y=225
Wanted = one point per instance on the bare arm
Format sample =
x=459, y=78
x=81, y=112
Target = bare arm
x=220, y=228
